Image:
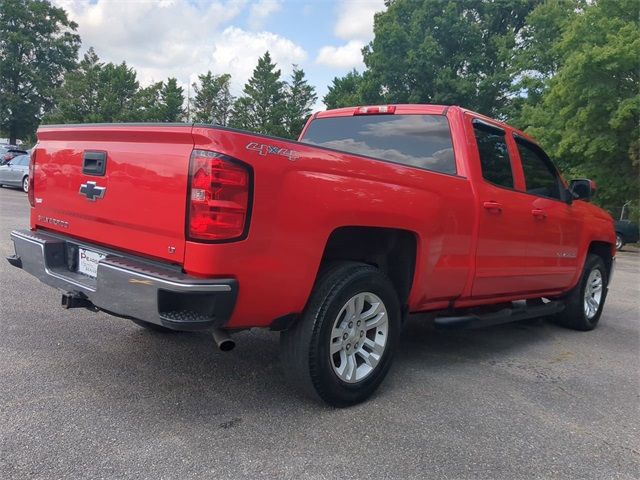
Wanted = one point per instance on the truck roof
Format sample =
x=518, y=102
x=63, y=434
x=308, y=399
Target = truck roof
x=417, y=109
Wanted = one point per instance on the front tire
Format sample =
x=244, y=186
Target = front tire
x=25, y=184
x=619, y=242
x=341, y=348
x=584, y=304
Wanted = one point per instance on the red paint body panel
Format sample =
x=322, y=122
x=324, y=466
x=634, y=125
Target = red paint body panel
x=467, y=255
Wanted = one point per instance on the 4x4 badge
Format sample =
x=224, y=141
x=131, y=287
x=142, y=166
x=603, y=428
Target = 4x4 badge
x=92, y=191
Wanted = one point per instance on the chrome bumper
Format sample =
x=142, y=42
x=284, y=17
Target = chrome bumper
x=127, y=286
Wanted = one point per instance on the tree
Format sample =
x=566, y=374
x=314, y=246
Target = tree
x=117, y=91
x=345, y=91
x=148, y=102
x=37, y=46
x=589, y=113
x=76, y=101
x=450, y=52
x=172, y=99
x=262, y=107
x=213, y=100
x=300, y=98
x=537, y=58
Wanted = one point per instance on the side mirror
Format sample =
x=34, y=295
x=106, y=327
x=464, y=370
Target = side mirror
x=582, y=189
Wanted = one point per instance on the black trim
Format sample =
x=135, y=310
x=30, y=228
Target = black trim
x=14, y=260
x=247, y=222
x=513, y=313
x=117, y=124
x=283, y=323
x=94, y=163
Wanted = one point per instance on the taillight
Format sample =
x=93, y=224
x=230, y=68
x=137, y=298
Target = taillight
x=219, y=197
x=379, y=110
x=32, y=170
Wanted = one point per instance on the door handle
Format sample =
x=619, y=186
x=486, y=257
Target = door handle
x=536, y=212
x=493, y=207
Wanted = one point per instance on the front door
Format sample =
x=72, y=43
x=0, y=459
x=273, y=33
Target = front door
x=552, y=258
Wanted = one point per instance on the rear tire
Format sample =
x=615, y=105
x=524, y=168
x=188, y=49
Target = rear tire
x=619, y=242
x=152, y=326
x=584, y=304
x=341, y=348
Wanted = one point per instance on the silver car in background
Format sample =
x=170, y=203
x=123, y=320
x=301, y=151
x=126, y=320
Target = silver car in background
x=15, y=173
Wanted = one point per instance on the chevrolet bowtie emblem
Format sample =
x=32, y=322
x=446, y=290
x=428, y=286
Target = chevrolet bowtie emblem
x=92, y=191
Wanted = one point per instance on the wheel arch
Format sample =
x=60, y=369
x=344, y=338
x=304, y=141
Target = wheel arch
x=604, y=250
x=392, y=250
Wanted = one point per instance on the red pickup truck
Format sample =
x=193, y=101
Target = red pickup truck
x=374, y=214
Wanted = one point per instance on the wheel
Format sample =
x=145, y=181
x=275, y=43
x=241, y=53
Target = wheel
x=619, y=241
x=152, y=326
x=341, y=348
x=25, y=184
x=584, y=304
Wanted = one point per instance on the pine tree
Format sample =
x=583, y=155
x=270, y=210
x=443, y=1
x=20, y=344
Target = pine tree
x=117, y=90
x=149, y=103
x=212, y=101
x=262, y=108
x=300, y=100
x=172, y=99
x=77, y=99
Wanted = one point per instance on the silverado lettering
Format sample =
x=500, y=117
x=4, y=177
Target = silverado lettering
x=392, y=211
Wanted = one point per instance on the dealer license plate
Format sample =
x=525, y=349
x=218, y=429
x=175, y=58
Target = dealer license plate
x=88, y=262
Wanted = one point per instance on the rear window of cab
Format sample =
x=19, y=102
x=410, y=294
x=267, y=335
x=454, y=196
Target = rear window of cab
x=422, y=141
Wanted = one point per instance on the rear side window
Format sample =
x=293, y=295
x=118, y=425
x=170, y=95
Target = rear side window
x=540, y=175
x=21, y=160
x=422, y=141
x=494, y=155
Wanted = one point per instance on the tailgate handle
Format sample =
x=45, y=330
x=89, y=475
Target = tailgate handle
x=94, y=163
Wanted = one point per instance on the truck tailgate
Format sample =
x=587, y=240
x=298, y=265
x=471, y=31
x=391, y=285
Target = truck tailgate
x=138, y=204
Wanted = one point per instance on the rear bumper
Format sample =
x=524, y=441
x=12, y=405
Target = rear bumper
x=127, y=286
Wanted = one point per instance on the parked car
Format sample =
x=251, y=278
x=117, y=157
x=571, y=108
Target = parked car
x=374, y=214
x=10, y=153
x=626, y=232
x=15, y=172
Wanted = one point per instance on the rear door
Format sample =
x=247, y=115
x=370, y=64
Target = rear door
x=134, y=201
x=504, y=217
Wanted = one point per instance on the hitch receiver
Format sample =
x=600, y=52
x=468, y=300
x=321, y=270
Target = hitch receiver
x=75, y=300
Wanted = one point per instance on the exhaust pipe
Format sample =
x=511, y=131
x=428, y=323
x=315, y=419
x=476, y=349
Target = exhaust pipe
x=223, y=340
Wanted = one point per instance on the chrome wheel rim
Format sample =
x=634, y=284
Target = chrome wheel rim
x=359, y=337
x=593, y=293
x=618, y=242
x=25, y=184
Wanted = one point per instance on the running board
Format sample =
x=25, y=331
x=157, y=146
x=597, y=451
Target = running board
x=517, y=312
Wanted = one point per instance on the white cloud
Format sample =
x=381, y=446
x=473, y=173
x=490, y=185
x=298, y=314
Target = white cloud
x=345, y=57
x=354, y=24
x=355, y=19
x=261, y=11
x=178, y=38
x=236, y=51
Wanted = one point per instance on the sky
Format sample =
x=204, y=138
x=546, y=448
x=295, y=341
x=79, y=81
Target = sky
x=184, y=38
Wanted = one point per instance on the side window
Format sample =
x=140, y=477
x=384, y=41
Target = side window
x=494, y=155
x=540, y=176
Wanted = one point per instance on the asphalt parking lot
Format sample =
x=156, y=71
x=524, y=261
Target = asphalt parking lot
x=86, y=395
